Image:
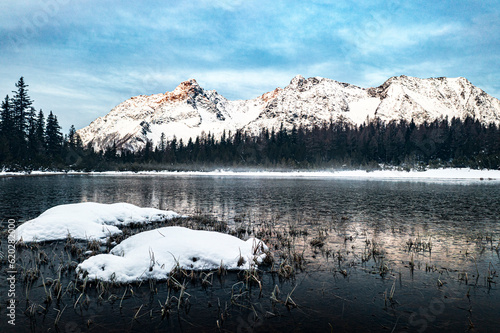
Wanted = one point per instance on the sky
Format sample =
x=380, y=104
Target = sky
x=81, y=58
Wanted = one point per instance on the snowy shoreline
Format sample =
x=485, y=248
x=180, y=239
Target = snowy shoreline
x=443, y=174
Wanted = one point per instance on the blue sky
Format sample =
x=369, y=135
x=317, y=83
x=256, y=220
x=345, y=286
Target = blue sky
x=81, y=58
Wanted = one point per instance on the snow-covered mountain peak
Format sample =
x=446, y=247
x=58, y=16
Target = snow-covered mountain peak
x=297, y=80
x=301, y=84
x=190, y=111
x=271, y=95
x=185, y=90
x=409, y=82
x=187, y=86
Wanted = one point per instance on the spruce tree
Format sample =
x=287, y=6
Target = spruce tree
x=40, y=131
x=21, y=104
x=72, y=136
x=5, y=131
x=78, y=142
x=31, y=135
x=53, y=136
x=6, y=123
x=163, y=143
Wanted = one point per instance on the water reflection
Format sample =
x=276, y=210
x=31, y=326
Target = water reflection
x=452, y=209
x=390, y=212
x=461, y=224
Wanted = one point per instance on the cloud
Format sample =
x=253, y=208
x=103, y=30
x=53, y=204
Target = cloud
x=245, y=84
x=376, y=37
x=78, y=96
x=91, y=55
x=372, y=76
x=229, y=5
x=231, y=83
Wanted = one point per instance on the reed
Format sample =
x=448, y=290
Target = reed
x=137, y=313
x=58, y=317
x=289, y=302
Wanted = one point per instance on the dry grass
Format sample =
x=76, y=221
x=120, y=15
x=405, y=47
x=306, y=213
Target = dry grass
x=330, y=246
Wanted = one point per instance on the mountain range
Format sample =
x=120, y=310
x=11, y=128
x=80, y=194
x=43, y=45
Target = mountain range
x=189, y=110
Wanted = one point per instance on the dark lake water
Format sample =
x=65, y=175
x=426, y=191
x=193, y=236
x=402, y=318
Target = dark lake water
x=337, y=290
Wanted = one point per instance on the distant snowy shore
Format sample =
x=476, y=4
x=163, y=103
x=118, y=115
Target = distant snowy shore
x=443, y=174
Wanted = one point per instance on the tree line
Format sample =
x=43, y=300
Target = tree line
x=441, y=143
x=29, y=141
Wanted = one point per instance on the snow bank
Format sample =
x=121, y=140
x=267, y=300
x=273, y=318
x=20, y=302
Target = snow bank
x=443, y=175
x=152, y=254
x=87, y=220
x=4, y=173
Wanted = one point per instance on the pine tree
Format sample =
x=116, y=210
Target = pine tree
x=21, y=107
x=21, y=104
x=32, y=140
x=6, y=127
x=6, y=124
x=53, y=136
x=147, y=150
x=72, y=137
x=78, y=141
x=163, y=142
x=172, y=151
x=40, y=132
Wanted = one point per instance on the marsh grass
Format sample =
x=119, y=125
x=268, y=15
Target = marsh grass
x=47, y=272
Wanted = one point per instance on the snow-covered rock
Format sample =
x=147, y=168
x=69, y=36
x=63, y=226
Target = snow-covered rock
x=189, y=110
x=153, y=254
x=86, y=221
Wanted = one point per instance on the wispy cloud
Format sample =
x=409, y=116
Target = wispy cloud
x=375, y=39
x=229, y=5
x=372, y=76
x=245, y=84
x=81, y=58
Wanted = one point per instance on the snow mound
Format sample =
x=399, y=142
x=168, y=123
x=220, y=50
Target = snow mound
x=87, y=220
x=153, y=254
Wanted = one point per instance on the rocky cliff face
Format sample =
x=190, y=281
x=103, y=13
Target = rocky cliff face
x=189, y=110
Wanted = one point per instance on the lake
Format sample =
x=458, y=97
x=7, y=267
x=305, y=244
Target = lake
x=375, y=256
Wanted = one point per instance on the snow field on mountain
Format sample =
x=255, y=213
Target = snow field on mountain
x=190, y=110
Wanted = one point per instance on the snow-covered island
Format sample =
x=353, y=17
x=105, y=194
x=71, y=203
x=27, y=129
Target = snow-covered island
x=87, y=221
x=153, y=254
x=147, y=255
